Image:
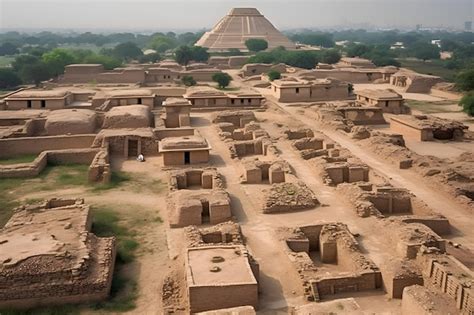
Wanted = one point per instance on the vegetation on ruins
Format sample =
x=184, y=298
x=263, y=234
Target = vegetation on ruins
x=188, y=80
x=467, y=103
x=186, y=54
x=256, y=44
x=274, y=75
x=222, y=79
x=303, y=59
x=331, y=56
x=183, y=55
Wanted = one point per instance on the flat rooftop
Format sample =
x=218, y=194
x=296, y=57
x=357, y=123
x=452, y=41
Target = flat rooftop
x=186, y=143
x=124, y=93
x=42, y=232
x=234, y=268
x=380, y=94
x=39, y=94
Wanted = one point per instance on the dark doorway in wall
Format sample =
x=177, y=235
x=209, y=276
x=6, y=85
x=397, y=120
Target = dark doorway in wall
x=43, y=104
x=139, y=101
x=205, y=217
x=133, y=148
x=187, y=157
x=28, y=104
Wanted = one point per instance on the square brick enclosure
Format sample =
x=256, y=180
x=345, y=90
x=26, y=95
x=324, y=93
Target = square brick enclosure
x=220, y=277
x=49, y=256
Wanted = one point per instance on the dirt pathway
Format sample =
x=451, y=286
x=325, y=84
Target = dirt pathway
x=439, y=201
x=280, y=284
x=278, y=280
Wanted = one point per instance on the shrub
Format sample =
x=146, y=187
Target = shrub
x=467, y=103
x=222, y=79
x=274, y=75
x=188, y=80
x=465, y=80
x=256, y=44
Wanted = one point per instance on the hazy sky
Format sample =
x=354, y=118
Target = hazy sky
x=200, y=14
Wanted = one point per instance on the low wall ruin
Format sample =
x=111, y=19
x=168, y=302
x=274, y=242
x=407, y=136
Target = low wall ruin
x=35, y=145
x=335, y=245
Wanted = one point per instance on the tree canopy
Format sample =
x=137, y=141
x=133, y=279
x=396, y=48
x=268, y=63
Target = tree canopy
x=256, y=44
x=465, y=80
x=127, y=51
x=8, y=49
x=185, y=54
x=222, y=79
x=331, y=56
x=274, y=75
x=314, y=38
x=9, y=79
x=425, y=51
x=467, y=103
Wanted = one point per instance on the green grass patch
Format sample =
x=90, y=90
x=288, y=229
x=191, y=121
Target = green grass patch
x=434, y=67
x=116, y=179
x=27, y=158
x=105, y=223
x=123, y=294
x=432, y=107
x=52, y=178
x=7, y=200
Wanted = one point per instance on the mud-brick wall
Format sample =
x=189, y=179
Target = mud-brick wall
x=34, y=145
x=204, y=298
x=356, y=283
x=72, y=156
x=410, y=132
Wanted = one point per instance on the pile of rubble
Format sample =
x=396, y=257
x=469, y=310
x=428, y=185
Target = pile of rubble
x=284, y=197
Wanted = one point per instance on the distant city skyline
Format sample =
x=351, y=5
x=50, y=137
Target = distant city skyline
x=176, y=15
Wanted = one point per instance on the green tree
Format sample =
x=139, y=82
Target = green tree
x=188, y=80
x=127, y=51
x=331, y=56
x=57, y=59
x=7, y=49
x=35, y=73
x=465, y=80
x=256, y=44
x=315, y=39
x=424, y=51
x=274, y=75
x=199, y=54
x=24, y=60
x=222, y=79
x=8, y=79
x=183, y=55
x=108, y=62
x=153, y=57
x=161, y=43
x=467, y=103
x=357, y=50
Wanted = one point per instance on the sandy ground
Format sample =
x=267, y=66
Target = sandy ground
x=280, y=286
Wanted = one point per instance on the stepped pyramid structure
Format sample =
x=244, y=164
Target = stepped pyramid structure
x=239, y=25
